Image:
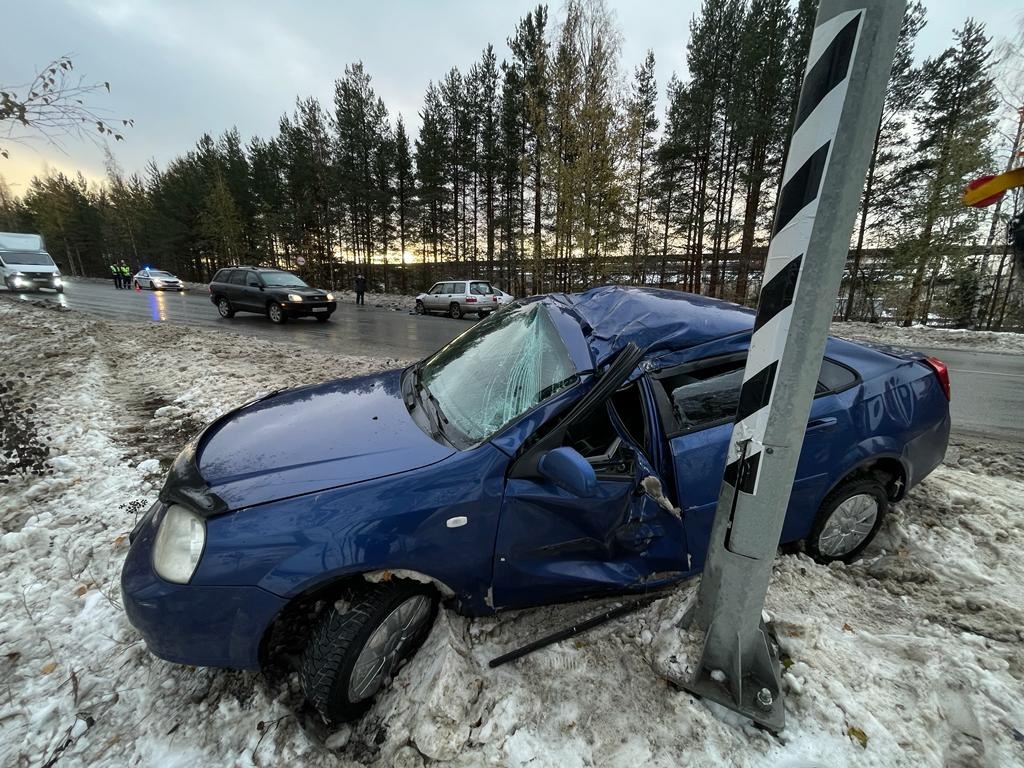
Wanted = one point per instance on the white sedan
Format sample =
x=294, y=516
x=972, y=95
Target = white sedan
x=157, y=280
x=503, y=298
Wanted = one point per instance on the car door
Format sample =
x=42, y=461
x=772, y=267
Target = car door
x=252, y=291
x=555, y=546
x=235, y=288
x=432, y=301
x=697, y=403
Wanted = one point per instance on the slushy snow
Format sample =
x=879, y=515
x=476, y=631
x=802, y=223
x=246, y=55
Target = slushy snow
x=911, y=656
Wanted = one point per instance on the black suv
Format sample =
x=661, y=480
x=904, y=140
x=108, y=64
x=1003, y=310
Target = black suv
x=272, y=292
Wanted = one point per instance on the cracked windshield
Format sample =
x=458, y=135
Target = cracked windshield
x=499, y=370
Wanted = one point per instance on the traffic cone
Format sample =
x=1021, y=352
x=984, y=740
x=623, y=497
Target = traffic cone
x=135, y=284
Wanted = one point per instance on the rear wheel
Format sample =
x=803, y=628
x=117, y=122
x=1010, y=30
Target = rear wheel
x=482, y=315
x=352, y=655
x=454, y=310
x=848, y=519
x=224, y=307
x=276, y=314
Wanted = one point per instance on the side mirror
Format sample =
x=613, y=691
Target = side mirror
x=567, y=469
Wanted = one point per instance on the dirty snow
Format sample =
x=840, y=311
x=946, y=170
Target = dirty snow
x=925, y=336
x=912, y=656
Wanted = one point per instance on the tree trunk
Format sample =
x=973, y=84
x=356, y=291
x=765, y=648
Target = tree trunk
x=862, y=228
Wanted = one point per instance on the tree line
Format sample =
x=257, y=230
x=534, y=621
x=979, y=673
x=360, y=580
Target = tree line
x=553, y=170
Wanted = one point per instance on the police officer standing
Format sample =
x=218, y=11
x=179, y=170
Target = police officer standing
x=126, y=274
x=115, y=273
x=360, y=289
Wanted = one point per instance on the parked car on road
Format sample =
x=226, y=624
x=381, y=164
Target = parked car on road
x=157, y=280
x=456, y=298
x=503, y=297
x=275, y=293
x=568, y=447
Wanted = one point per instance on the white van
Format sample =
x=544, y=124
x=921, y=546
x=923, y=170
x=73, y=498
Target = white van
x=25, y=265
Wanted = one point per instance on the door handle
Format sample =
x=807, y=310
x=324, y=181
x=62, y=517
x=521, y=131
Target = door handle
x=820, y=424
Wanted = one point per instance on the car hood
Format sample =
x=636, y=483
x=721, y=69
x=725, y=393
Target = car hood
x=306, y=293
x=314, y=438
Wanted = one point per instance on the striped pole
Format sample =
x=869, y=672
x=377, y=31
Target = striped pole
x=848, y=67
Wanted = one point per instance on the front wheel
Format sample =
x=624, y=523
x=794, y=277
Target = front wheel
x=454, y=311
x=420, y=309
x=276, y=314
x=224, y=307
x=322, y=318
x=59, y=290
x=352, y=655
x=848, y=520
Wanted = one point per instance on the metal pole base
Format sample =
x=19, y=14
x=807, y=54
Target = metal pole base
x=753, y=689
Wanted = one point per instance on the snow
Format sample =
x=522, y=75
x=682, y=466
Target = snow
x=924, y=336
x=911, y=656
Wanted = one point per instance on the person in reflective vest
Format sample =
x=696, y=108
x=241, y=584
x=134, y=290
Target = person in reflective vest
x=126, y=274
x=115, y=273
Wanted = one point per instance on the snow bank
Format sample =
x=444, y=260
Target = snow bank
x=923, y=336
x=912, y=656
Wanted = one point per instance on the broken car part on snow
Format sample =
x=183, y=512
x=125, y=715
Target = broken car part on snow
x=848, y=65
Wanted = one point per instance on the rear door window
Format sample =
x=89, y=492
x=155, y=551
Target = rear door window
x=704, y=394
x=480, y=289
x=237, y=277
x=835, y=377
x=458, y=288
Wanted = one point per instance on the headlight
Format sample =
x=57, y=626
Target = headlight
x=294, y=297
x=157, y=282
x=330, y=297
x=179, y=544
x=57, y=280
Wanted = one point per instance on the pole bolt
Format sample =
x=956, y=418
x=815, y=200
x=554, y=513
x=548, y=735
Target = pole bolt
x=765, y=699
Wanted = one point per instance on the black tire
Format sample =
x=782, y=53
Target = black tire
x=59, y=290
x=339, y=637
x=868, y=485
x=276, y=314
x=224, y=307
x=455, y=311
x=323, y=318
x=420, y=309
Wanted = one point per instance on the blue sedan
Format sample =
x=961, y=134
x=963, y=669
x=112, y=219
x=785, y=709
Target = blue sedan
x=569, y=447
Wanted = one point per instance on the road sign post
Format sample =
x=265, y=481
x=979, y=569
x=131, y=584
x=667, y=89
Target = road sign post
x=848, y=67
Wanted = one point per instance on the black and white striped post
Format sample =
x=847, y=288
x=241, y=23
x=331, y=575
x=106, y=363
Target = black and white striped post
x=844, y=85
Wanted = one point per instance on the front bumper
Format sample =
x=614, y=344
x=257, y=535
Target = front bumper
x=308, y=308
x=193, y=624
x=36, y=282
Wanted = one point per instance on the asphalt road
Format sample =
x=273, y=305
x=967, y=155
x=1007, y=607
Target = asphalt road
x=354, y=330
x=988, y=387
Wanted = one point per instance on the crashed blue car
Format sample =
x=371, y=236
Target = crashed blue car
x=567, y=447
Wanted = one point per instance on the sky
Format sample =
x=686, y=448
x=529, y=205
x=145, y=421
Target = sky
x=180, y=68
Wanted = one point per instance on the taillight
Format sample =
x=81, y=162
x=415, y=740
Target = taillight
x=471, y=299
x=942, y=371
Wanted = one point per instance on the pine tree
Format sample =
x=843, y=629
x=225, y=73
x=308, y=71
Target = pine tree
x=641, y=124
x=882, y=186
x=956, y=123
x=404, y=194
x=530, y=54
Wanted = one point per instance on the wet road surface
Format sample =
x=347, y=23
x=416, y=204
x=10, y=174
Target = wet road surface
x=354, y=330
x=988, y=387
